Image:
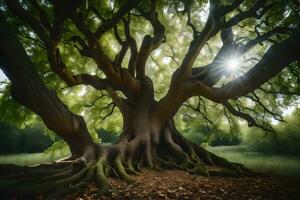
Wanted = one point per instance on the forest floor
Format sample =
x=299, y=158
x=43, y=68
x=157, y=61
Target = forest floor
x=175, y=184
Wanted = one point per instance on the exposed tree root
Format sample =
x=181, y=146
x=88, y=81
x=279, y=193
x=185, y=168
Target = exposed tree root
x=170, y=151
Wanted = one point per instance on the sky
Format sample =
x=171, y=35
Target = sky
x=2, y=76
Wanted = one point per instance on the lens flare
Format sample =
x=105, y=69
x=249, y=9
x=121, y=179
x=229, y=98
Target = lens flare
x=233, y=63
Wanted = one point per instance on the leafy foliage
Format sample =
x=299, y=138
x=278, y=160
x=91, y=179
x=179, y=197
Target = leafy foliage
x=275, y=95
x=29, y=140
x=214, y=137
x=107, y=137
x=285, y=141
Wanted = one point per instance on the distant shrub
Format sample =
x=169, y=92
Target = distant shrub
x=224, y=139
x=107, y=137
x=34, y=140
x=212, y=136
x=29, y=140
x=281, y=143
x=285, y=141
x=9, y=139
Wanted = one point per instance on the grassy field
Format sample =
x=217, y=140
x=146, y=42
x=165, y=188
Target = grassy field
x=28, y=159
x=276, y=164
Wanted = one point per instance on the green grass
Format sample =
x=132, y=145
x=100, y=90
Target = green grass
x=281, y=165
x=28, y=159
x=276, y=164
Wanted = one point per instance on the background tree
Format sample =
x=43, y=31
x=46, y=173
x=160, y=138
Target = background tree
x=30, y=91
x=29, y=140
x=120, y=40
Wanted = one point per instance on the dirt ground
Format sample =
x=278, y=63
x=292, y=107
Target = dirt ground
x=175, y=184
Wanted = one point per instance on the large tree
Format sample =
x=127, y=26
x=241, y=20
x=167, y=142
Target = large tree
x=124, y=40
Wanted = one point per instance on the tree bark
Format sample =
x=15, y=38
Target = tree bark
x=150, y=139
x=29, y=90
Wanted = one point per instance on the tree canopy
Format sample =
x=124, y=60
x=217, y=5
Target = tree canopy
x=251, y=29
x=155, y=62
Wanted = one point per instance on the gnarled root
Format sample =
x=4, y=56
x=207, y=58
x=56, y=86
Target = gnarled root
x=40, y=180
x=59, y=179
x=167, y=149
x=178, y=152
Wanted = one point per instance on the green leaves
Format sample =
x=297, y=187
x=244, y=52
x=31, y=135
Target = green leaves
x=162, y=63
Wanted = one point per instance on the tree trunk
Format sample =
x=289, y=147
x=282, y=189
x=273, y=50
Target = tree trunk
x=147, y=143
x=29, y=90
x=149, y=139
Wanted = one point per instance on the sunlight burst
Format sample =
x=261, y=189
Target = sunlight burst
x=233, y=63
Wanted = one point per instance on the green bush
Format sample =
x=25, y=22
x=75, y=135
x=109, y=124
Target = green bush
x=221, y=138
x=212, y=136
x=33, y=140
x=285, y=140
x=107, y=137
x=9, y=139
x=29, y=140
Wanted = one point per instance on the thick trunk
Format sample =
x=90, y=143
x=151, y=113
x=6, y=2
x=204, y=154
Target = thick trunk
x=29, y=90
x=147, y=143
x=148, y=140
x=151, y=139
x=67, y=125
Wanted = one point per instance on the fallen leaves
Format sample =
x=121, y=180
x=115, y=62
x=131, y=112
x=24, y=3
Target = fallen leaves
x=175, y=184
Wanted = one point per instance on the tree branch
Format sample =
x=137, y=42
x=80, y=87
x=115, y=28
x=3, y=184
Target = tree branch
x=278, y=57
x=149, y=43
x=215, y=23
x=132, y=45
x=17, y=9
x=108, y=24
x=96, y=52
x=121, y=78
x=251, y=121
x=213, y=72
x=124, y=47
x=42, y=15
